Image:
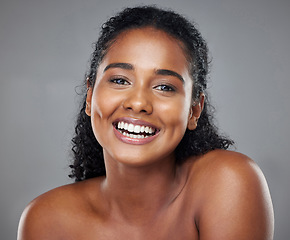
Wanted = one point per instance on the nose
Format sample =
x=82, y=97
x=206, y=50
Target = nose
x=138, y=101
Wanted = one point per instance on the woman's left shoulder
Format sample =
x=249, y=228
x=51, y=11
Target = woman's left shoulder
x=226, y=162
x=232, y=190
x=223, y=169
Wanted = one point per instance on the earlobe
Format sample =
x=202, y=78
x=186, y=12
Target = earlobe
x=195, y=112
x=192, y=122
x=88, y=101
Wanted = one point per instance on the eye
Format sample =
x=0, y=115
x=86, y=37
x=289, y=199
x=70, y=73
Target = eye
x=119, y=81
x=165, y=88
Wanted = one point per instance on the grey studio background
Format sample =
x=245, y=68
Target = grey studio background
x=45, y=47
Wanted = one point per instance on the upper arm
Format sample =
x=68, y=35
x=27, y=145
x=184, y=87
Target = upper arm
x=237, y=203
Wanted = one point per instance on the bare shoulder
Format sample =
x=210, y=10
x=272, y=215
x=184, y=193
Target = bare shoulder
x=234, y=198
x=221, y=165
x=52, y=215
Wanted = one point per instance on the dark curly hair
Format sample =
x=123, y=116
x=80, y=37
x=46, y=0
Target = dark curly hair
x=87, y=152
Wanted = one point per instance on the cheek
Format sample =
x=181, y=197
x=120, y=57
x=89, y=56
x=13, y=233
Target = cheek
x=103, y=103
x=175, y=112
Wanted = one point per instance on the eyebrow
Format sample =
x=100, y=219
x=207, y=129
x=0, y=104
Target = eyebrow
x=166, y=72
x=128, y=66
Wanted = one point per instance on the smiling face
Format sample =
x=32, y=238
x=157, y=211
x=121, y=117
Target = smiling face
x=141, y=103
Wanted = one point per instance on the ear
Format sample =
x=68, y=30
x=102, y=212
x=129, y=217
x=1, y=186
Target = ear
x=195, y=112
x=89, y=98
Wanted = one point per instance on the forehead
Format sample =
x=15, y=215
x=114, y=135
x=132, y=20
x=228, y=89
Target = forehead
x=148, y=47
x=151, y=34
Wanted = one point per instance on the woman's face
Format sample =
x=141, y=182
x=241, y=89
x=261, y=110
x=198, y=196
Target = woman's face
x=140, y=105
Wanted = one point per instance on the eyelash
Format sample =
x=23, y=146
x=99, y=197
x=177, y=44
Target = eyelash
x=161, y=87
x=119, y=81
x=165, y=88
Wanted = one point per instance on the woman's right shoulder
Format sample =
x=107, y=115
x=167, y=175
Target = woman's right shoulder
x=53, y=213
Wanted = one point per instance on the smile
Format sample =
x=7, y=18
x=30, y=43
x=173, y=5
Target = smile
x=135, y=131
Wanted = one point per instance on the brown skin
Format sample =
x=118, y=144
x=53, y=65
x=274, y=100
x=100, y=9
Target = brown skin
x=219, y=195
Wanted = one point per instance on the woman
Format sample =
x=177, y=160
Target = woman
x=149, y=164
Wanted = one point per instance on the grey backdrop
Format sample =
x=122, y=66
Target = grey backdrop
x=45, y=47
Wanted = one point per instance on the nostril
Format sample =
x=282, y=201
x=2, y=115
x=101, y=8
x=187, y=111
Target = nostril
x=138, y=104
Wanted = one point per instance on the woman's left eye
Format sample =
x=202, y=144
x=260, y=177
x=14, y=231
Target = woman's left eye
x=165, y=88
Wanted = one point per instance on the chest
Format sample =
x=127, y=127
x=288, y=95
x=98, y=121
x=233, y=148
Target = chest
x=174, y=224
x=161, y=231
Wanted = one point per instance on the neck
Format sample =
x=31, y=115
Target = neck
x=141, y=193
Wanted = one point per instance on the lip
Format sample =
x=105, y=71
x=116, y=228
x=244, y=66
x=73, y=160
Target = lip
x=135, y=141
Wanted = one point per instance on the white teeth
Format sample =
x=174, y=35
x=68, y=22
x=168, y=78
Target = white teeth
x=142, y=129
x=135, y=128
x=131, y=127
x=130, y=135
x=147, y=129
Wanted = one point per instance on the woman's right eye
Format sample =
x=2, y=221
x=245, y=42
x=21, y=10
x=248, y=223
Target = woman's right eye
x=119, y=81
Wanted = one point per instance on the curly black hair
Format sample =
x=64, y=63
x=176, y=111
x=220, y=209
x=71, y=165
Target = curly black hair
x=87, y=152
